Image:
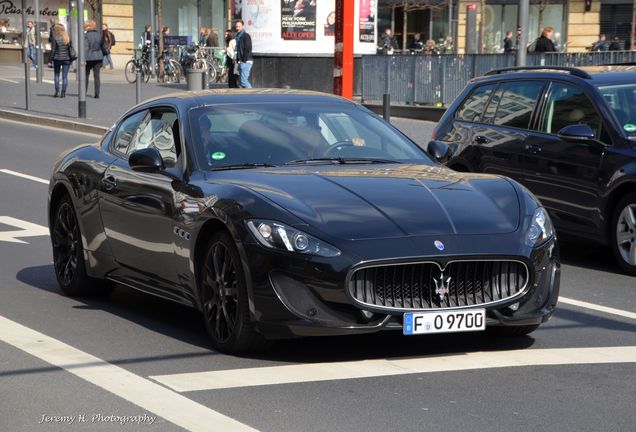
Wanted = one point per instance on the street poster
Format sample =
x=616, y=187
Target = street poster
x=367, y=21
x=298, y=19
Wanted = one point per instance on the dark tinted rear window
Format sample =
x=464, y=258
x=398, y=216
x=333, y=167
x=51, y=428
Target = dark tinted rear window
x=474, y=105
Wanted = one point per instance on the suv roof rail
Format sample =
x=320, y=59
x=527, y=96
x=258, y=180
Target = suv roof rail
x=571, y=70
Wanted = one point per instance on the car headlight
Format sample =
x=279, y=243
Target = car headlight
x=540, y=229
x=275, y=235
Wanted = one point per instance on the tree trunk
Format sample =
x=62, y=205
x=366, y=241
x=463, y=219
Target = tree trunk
x=159, y=30
x=405, y=25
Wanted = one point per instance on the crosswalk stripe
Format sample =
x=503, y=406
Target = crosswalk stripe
x=150, y=396
x=224, y=379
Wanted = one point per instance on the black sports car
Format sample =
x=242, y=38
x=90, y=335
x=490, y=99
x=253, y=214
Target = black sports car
x=285, y=213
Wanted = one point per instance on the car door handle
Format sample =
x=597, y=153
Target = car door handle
x=109, y=182
x=481, y=139
x=533, y=148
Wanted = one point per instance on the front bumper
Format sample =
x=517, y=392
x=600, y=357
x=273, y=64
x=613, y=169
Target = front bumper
x=297, y=296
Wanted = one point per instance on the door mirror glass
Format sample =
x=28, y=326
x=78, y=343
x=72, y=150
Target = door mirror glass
x=440, y=151
x=146, y=160
x=577, y=132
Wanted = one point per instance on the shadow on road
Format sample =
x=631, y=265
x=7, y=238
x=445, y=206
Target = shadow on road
x=587, y=254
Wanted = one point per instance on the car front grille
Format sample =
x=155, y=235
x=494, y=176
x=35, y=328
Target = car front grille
x=426, y=286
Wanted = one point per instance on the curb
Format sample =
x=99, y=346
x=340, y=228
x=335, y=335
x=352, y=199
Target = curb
x=53, y=122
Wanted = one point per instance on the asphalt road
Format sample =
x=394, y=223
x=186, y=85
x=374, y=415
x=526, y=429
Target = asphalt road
x=103, y=362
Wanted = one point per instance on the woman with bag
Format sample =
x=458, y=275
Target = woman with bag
x=62, y=55
x=95, y=52
x=230, y=60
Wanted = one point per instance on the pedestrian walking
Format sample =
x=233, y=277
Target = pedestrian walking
x=108, y=41
x=62, y=54
x=544, y=42
x=508, y=44
x=230, y=61
x=94, y=52
x=211, y=38
x=243, y=54
x=29, y=42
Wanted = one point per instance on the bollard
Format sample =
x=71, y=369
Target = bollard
x=137, y=87
x=386, y=107
x=204, y=83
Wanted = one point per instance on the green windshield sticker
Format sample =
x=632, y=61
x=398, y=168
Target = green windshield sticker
x=630, y=127
x=218, y=155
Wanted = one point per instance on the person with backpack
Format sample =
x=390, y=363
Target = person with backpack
x=62, y=55
x=108, y=41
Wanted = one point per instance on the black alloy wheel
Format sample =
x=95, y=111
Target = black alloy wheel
x=624, y=234
x=223, y=296
x=68, y=255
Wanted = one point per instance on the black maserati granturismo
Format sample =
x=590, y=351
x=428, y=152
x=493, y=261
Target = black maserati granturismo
x=282, y=213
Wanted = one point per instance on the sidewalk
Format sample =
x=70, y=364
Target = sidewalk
x=116, y=95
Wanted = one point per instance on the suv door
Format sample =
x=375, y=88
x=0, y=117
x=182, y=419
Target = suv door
x=139, y=209
x=564, y=175
x=505, y=127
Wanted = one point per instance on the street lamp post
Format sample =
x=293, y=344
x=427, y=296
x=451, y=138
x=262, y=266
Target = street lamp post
x=25, y=57
x=38, y=43
x=522, y=23
x=81, y=62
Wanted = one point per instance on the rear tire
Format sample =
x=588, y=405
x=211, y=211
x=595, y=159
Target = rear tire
x=68, y=255
x=623, y=235
x=130, y=71
x=224, y=299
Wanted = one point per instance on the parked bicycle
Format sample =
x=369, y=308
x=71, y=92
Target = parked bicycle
x=173, y=71
x=139, y=63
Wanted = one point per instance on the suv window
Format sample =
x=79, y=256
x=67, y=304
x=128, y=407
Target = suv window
x=474, y=105
x=566, y=105
x=517, y=103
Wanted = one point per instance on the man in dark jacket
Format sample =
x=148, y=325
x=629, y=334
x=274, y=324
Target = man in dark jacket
x=108, y=40
x=243, y=54
x=544, y=42
x=508, y=43
x=388, y=42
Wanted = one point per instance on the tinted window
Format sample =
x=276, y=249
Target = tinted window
x=517, y=103
x=158, y=130
x=277, y=133
x=474, y=105
x=567, y=105
x=491, y=110
x=622, y=100
x=126, y=132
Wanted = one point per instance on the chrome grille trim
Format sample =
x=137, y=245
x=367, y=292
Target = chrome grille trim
x=474, y=282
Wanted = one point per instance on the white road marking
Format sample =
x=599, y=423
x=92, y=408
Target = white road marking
x=148, y=395
x=10, y=80
x=234, y=378
x=27, y=229
x=25, y=176
x=609, y=310
x=48, y=81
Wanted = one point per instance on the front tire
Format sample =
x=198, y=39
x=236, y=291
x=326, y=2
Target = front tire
x=624, y=234
x=223, y=296
x=68, y=255
x=130, y=71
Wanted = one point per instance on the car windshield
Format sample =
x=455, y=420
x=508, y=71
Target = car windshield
x=622, y=100
x=239, y=136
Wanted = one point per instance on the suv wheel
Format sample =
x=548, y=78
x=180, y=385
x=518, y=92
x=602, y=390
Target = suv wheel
x=624, y=234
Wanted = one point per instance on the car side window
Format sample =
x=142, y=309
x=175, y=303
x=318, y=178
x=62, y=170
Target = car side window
x=472, y=108
x=160, y=129
x=517, y=103
x=126, y=132
x=567, y=105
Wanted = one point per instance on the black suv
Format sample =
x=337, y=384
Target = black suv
x=567, y=134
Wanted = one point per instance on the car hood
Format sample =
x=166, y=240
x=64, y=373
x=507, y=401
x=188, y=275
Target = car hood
x=353, y=202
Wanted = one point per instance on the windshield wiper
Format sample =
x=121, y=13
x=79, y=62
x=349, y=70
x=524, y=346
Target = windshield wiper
x=341, y=161
x=246, y=165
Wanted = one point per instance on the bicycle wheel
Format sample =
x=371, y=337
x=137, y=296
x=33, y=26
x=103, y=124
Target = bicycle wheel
x=211, y=72
x=177, y=71
x=130, y=71
x=145, y=72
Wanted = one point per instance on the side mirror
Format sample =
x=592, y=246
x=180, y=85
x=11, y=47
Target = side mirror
x=146, y=160
x=577, y=132
x=440, y=151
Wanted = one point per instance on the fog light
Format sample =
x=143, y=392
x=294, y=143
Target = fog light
x=514, y=306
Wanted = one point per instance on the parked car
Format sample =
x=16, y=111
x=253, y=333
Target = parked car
x=567, y=134
x=283, y=213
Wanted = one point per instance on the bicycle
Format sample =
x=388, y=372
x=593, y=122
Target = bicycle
x=138, y=64
x=173, y=71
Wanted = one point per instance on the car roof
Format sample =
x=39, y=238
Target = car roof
x=193, y=99
x=595, y=75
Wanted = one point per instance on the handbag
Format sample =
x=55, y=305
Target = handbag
x=71, y=52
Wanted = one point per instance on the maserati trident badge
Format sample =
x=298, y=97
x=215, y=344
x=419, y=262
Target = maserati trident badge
x=439, y=245
x=442, y=286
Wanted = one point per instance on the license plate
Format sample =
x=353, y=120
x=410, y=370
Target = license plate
x=444, y=322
